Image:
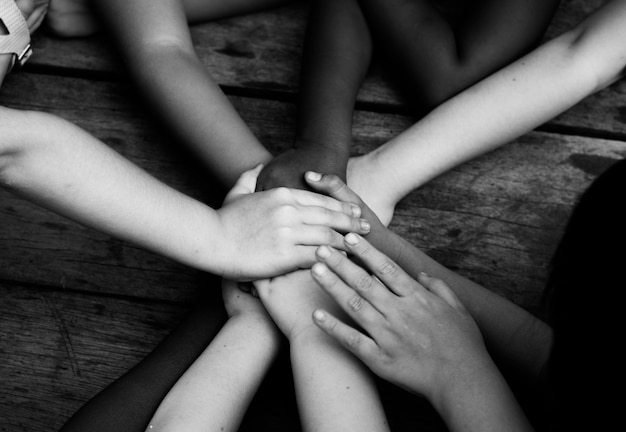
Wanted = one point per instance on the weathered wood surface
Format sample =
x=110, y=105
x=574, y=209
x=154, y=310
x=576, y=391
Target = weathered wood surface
x=71, y=297
x=497, y=206
x=261, y=52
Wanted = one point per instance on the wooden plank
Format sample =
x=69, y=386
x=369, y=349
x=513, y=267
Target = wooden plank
x=262, y=52
x=58, y=350
x=495, y=219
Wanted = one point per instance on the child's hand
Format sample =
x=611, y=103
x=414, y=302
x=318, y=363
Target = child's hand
x=291, y=299
x=420, y=336
x=334, y=186
x=287, y=169
x=277, y=231
x=239, y=302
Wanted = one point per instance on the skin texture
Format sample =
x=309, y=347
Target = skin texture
x=42, y=158
x=419, y=336
x=509, y=103
x=337, y=51
x=334, y=390
x=214, y=393
x=517, y=340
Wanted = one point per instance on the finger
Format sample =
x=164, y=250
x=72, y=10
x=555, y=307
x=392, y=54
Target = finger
x=335, y=220
x=381, y=265
x=314, y=235
x=246, y=183
x=333, y=186
x=356, y=342
x=357, y=278
x=308, y=198
x=440, y=289
x=357, y=307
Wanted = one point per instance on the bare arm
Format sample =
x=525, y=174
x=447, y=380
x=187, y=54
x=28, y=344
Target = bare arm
x=61, y=167
x=215, y=391
x=419, y=336
x=337, y=52
x=154, y=39
x=335, y=392
x=502, y=107
x=516, y=339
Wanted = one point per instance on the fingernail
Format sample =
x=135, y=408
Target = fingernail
x=323, y=252
x=365, y=225
x=318, y=269
x=352, y=239
x=424, y=274
x=318, y=315
x=313, y=176
x=356, y=210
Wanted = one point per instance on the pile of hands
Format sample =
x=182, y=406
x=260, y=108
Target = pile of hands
x=414, y=333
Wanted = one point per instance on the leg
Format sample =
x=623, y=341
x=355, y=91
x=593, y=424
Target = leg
x=438, y=59
x=129, y=403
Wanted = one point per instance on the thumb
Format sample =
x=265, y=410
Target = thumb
x=246, y=184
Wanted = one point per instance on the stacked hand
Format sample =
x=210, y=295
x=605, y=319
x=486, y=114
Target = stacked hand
x=277, y=231
x=288, y=169
x=418, y=335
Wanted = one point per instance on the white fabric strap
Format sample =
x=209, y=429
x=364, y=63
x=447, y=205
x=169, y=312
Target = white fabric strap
x=18, y=40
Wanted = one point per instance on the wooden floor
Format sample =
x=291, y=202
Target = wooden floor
x=78, y=308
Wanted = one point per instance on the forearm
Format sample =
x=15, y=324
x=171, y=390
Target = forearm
x=216, y=390
x=333, y=388
x=153, y=37
x=194, y=107
x=481, y=401
x=337, y=53
x=510, y=102
x=63, y=168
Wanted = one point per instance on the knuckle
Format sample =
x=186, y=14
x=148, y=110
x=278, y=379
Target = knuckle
x=282, y=193
x=329, y=235
x=387, y=268
x=356, y=303
x=353, y=340
x=334, y=182
x=363, y=283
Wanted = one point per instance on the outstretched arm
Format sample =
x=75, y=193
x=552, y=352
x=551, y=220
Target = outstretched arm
x=515, y=338
x=335, y=392
x=419, y=336
x=502, y=107
x=61, y=167
x=337, y=52
x=154, y=39
x=215, y=391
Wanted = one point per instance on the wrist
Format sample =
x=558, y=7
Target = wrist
x=307, y=336
x=474, y=397
x=258, y=328
x=219, y=249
